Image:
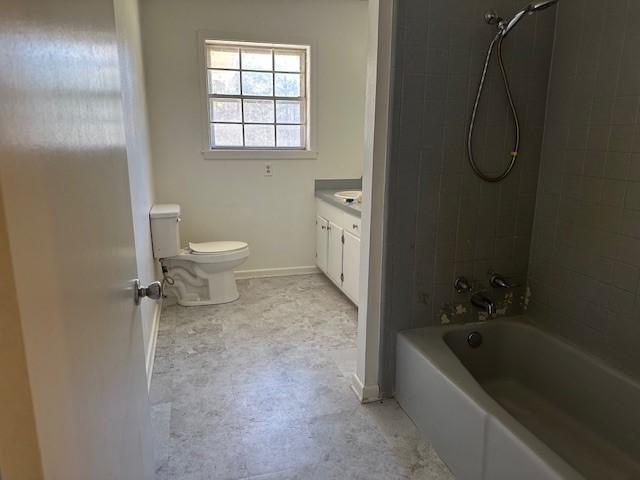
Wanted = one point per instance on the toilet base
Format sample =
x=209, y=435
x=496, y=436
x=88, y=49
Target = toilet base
x=214, y=289
x=205, y=279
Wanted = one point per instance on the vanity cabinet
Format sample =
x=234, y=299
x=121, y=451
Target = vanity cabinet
x=334, y=253
x=338, y=247
x=351, y=266
x=322, y=243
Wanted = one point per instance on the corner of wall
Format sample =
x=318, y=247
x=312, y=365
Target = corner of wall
x=365, y=393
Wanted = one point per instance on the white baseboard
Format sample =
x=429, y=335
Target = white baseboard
x=151, y=349
x=276, y=272
x=365, y=393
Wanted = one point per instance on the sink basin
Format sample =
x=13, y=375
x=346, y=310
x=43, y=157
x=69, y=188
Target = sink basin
x=349, y=195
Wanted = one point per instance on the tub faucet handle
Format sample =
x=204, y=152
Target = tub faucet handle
x=462, y=285
x=498, y=281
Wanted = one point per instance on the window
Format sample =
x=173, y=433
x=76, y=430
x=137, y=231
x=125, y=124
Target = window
x=257, y=96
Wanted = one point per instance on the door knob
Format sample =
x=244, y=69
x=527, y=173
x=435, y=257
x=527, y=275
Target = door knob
x=152, y=291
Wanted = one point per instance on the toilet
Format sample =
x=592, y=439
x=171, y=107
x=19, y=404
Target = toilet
x=202, y=273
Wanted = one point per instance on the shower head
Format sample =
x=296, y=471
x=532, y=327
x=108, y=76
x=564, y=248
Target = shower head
x=529, y=10
x=537, y=6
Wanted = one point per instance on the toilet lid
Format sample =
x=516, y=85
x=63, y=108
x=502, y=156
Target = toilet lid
x=216, y=247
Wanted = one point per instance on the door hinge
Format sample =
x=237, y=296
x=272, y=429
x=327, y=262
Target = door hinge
x=342, y=277
x=343, y=238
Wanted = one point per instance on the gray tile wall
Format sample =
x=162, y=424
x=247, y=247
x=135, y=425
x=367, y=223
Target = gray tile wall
x=585, y=261
x=443, y=221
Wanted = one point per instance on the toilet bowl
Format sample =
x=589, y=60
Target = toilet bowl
x=201, y=274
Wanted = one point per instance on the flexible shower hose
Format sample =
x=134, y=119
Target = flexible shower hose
x=514, y=153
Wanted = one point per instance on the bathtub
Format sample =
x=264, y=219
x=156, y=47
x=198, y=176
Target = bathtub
x=523, y=405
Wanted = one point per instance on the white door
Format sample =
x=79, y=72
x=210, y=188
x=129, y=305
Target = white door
x=322, y=239
x=334, y=255
x=65, y=191
x=351, y=266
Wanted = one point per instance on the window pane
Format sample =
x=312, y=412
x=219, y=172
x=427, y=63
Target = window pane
x=259, y=59
x=224, y=57
x=258, y=111
x=259, y=136
x=288, y=111
x=254, y=83
x=288, y=61
x=224, y=82
x=225, y=110
x=289, y=136
x=287, y=84
x=226, y=134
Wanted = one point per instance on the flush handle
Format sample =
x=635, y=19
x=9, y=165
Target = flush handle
x=152, y=291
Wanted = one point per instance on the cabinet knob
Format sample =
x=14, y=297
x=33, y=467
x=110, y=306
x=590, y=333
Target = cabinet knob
x=355, y=226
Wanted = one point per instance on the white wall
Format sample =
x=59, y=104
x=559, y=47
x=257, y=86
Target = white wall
x=138, y=154
x=365, y=380
x=231, y=199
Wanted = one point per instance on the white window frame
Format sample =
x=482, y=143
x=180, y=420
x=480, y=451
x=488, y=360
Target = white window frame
x=250, y=153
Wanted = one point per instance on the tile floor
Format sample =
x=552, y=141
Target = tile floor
x=260, y=389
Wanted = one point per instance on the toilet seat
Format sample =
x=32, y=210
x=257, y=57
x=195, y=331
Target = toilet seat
x=207, y=248
x=219, y=252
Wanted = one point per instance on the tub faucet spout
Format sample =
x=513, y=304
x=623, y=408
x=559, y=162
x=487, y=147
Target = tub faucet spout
x=484, y=303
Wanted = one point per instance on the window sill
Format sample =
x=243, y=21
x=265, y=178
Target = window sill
x=259, y=154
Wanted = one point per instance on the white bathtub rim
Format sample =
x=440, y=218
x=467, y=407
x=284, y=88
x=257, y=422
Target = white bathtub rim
x=434, y=350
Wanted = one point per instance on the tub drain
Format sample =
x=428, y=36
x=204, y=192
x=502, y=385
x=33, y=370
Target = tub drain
x=474, y=339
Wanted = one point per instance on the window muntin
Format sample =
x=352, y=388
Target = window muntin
x=257, y=96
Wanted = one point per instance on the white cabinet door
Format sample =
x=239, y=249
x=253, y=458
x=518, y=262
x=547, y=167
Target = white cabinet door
x=351, y=266
x=322, y=243
x=334, y=256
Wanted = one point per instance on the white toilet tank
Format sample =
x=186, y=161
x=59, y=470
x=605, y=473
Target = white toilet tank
x=165, y=232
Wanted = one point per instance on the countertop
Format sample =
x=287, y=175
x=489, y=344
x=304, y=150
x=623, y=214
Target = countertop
x=324, y=190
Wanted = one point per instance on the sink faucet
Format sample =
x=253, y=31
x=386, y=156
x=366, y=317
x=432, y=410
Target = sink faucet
x=483, y=302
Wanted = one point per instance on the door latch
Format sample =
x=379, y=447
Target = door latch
x=152, y=291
